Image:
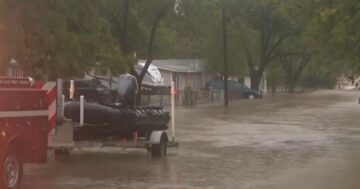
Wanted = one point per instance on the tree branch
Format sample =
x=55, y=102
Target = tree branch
x=149, y=59
x=270, y=53
x=306, y=59
x=124, y=28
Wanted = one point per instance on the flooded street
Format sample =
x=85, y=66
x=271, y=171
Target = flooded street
x=303, y=141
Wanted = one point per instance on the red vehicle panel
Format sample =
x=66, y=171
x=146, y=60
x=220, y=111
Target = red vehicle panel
x=24, y=119
x=24, y=127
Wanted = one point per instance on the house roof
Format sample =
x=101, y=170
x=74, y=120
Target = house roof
x=179, y=65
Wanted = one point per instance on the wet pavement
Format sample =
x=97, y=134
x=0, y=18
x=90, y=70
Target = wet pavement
x=303, y=141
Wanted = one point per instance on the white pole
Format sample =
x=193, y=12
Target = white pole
x=62, y=106
x=59, y=102
x=173, y=110
x=72, y=89
x=81, y=110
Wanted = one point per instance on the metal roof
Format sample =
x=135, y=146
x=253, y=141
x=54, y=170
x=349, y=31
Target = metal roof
x=179, y=65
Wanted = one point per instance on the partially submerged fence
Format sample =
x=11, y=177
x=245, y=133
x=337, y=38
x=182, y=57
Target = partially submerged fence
x=185, y=98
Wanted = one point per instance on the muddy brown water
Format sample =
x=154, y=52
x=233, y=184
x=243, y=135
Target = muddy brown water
x=303, y=141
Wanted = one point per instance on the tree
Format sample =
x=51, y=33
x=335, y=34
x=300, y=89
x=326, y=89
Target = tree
x=332, y=28
x=59, y=39
x=124, y=19
x=156, y=11
x=294, y=56
x=191, y=28
x=256, y=31
x=265, y=17
x=275, y=77
x=133, y=24
x=322, y=74
x=293, y=64
x=210, y=37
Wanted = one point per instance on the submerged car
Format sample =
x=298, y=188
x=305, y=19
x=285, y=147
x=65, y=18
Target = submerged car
x=236, y=89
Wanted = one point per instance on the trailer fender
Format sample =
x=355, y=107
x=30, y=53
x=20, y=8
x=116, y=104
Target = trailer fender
x=156, y=136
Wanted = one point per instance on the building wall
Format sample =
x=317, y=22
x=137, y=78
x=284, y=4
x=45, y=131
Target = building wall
x=167, y=75
x=194, y=80
x=247, y=81
x=198, y=81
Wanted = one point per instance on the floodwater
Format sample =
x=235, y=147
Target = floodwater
x=303, y=141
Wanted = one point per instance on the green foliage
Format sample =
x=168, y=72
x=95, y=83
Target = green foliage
x=65, y=38
x=315, y=77
x=334, y=28
x=59, y=38
x=256, y=30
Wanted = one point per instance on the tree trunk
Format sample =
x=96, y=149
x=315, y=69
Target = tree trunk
x=255, y=81
x=269, y=44
x=149, y=60
x=291, y=86
x=254, y=74
x=293, y=65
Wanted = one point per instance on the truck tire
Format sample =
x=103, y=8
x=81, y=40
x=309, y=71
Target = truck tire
x=159, y=150
x=12, y=170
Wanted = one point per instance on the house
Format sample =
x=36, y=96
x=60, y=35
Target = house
x=185, y=73
x=192, y=73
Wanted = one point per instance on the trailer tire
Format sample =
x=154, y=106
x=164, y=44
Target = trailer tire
x=11, y=169
x=159, y=150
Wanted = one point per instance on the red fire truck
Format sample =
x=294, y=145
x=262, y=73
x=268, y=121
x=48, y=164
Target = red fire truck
x=24, y=127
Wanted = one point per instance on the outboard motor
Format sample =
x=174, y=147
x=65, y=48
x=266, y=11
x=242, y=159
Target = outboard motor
x=127, y=89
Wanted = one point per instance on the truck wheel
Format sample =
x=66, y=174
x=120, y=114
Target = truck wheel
x=158, y=150
x=12, y=170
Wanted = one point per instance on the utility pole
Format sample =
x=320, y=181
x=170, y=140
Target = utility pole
x=224, y=24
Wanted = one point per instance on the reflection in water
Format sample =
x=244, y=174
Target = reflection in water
x=253, y=144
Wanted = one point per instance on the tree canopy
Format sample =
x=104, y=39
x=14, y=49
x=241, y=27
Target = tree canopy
x=66, y=38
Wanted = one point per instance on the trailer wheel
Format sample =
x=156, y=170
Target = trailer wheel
x=12, y=170
x=159, y=150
